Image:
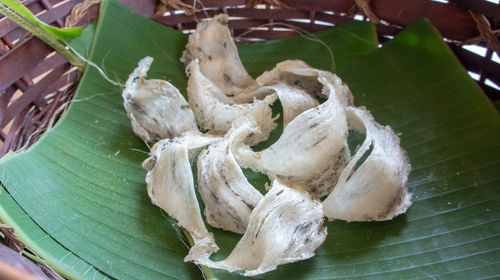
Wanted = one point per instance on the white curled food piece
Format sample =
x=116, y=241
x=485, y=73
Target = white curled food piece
x=299, y=74
x=286, y=226
x=170, y=186
x=228, y=196
x=293, y=100
x=216, y=51
x=329, y=81
x=285, y=71
x=217, y=117
x=376, y=191
x=279, y=72
x=156, y=108
x=312, y=151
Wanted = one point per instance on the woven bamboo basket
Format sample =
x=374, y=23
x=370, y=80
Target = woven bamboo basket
x=36, y=83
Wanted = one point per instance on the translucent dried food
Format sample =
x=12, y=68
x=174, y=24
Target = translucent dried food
x=216, y=51
x=286, y=226
x=212, y=45
x=217, y=117
x=156, y=108
x=293, y=100
x=170, y=186
x=376, y=191
x=284, y=71
x=228, y=196
x=312, y=150
x=311, y=80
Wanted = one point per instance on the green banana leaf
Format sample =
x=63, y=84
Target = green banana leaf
x=83, y=185
x=48, y=251
x=63, y=34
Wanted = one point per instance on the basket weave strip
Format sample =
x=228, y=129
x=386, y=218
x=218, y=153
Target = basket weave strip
x=453, y=22
x=483, y=7
x=78, y=12
x=485, y=30
x=364, y=6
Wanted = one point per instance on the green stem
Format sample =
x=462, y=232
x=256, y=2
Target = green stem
x=45, y=36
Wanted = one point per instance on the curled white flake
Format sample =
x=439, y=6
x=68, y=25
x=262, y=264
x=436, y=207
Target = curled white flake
x=293, y=100
x=217, y=117
x=216, y=51
x=228, y=196
x=311, y=80
x=286, y=226
x=156, y=108
x=376, y=191
x=170, y=186
x=285, y=71
x=312, y=151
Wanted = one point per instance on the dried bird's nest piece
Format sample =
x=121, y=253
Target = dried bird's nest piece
x=212, y=46
x=219, y=61
x=376, y=191
x=217, y=117
x=312, y=151
x=296, y=73
x=293, y=100
x=286, y=226
x=310, y=160
x=170, y=186
x=156, y=108
x=228, y=196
